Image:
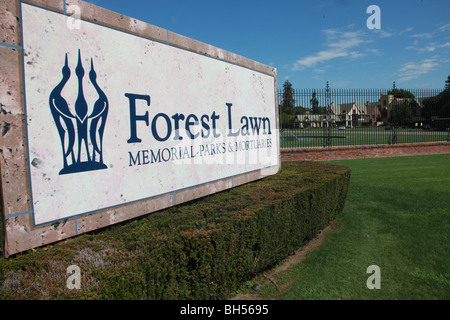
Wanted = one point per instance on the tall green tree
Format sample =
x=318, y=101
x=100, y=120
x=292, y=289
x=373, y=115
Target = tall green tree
x=288, y=103
x=401, y=93
x=447, y=85
x=438, y=106
x=400, y=115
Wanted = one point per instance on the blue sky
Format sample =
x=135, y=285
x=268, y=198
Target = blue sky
x=312, y=42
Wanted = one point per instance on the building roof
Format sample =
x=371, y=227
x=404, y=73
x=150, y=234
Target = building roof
x=346, y=108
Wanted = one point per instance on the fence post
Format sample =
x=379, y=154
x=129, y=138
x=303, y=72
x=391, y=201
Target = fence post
x=328, y=113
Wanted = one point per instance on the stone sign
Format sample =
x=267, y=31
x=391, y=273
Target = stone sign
x=107, y=118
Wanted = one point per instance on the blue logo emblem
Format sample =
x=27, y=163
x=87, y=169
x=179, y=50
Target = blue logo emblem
x=80, y=131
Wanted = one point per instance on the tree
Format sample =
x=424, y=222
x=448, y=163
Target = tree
x=400, y=115
x=430, y=108
x=401, y=93
x=447, y=86
x=300, y=110
x=288, y=103
x=438, y=106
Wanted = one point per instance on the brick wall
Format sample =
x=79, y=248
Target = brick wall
x=360, y=152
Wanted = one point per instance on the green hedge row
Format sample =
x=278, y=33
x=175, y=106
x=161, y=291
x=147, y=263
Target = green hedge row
x=204, y=249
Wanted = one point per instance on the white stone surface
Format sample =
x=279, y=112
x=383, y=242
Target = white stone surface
x=178, y=82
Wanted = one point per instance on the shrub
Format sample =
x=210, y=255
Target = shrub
x=204, y=249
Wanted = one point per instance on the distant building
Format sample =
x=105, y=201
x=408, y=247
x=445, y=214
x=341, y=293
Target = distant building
x=351, y=114
x=312, y=121
x=386, y=106
x=376, y=118
x=356, y=114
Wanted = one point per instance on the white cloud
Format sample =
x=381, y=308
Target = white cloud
x=429, y=35
x=445, y=27
x=431, y=47
x=423, y=35
x=343, y=40
x=338, y=45
x=356, y=54
x=413, y=70
x=374, y=51
x=406, y=30
x=321, y=56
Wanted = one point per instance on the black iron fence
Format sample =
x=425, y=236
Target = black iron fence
x=343, y=117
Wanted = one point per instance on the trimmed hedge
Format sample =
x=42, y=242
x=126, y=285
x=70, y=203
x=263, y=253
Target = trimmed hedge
x=204, y=249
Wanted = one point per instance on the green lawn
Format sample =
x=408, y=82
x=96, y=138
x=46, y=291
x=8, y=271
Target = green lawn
x=397, y=216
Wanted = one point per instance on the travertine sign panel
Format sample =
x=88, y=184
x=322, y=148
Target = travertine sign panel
x=118, y=124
